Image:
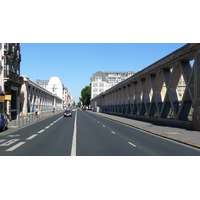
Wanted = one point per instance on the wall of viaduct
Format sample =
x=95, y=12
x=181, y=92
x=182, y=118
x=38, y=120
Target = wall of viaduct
x=151, y=94
x=33, y=96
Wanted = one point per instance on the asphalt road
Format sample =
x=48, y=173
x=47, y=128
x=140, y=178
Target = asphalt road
x=87, y=134
x=49, y=137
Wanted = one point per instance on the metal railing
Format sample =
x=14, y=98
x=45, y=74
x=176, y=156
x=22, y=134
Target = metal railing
x=31, y=118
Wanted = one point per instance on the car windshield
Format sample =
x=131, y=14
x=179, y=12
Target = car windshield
x=67, y=111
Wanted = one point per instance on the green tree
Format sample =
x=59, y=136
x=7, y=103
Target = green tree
x=86, y=95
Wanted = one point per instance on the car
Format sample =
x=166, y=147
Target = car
x=3, y=122
x=67, y=113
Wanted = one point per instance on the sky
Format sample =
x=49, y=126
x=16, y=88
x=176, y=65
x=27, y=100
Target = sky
x=75, y=63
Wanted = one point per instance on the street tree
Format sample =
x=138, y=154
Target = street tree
x=86, y=95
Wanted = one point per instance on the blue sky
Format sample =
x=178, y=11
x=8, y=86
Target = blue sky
x=75, y=63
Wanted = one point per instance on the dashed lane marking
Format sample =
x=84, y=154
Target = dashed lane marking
x=132, y=144
x=47, y=127
x=41, y=131
x=15, y=146
x=113, y=132
x=31, y=137
x=104, y=126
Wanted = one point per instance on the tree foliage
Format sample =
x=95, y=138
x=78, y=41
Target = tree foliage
x=86, y=95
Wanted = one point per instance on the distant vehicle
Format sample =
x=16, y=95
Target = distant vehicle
x=67, y=113
x=3, y=122
x=73, y=109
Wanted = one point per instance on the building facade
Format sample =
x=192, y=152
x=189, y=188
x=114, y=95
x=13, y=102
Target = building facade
x=102, y=81
x=2, y=94
x=12, y=81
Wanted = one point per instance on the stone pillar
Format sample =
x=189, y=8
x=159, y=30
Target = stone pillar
x=196, y=117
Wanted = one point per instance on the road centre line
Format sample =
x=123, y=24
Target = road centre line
x=15, y=146
x=47, y=127
x=132, y=144
x=31, y=137
x=73, y=150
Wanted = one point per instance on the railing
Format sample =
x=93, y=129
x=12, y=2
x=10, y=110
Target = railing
x=24, y=120
x=31, y=118
x=13, y=77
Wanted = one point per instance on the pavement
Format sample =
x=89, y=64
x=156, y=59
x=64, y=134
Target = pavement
x=189, y=137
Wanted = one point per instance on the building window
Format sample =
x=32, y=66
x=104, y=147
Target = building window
x=101, y=84
x=97, y=79
x=112, y=79
x=95, y=84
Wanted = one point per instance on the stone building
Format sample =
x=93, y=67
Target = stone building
x=102, y=81
x=12, y=81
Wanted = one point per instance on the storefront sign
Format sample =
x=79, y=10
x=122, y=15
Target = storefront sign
x=7, y=97
x=2, y=98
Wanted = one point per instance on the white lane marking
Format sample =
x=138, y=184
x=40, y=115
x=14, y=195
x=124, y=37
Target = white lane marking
x=104, y=126
x=98, y=122
x=41, y=131
x=113, y=132
x=51, y=124
x=31, y=137
x=2, y=141
x=16, y=146
x=47, y=127
x=132, y=144
x=9, y=142
x=73, y=150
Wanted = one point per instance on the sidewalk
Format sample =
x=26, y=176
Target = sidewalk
x=182, y=135
x=14, y=125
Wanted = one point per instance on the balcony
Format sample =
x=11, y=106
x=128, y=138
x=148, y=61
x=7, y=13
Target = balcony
x=10, y=76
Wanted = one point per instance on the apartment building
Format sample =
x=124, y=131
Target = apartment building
x=181, y=88
x=2, y=94
x=10, y=79
x=42, y=83
x=102, y=81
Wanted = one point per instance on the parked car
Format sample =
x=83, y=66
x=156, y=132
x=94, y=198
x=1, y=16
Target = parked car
x=3, y=122
x=67, y=113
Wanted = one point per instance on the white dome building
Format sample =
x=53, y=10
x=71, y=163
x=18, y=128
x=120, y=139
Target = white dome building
x=56, y=86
